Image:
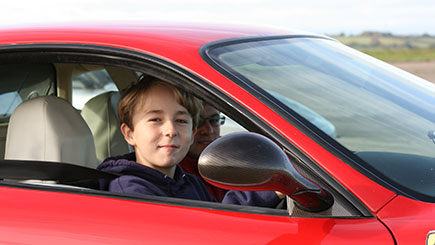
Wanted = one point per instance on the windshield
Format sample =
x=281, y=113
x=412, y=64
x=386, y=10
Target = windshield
x=382, y=114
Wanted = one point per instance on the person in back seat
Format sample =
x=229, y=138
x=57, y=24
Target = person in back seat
x=208, y=130
x=160, y=122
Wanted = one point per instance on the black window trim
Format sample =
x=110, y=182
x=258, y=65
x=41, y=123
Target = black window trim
x=95, y=54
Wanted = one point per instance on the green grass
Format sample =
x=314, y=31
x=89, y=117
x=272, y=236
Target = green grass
x=355, y=40
x=393, y=48
x=402, y=55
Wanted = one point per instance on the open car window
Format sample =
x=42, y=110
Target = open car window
x=89, y=86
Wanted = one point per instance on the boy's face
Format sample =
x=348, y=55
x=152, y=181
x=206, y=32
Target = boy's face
x=162, y=131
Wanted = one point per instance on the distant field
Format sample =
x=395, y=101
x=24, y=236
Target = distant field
x=391, y=48
x=415, y=54
x=375, y=40
x=398, y=55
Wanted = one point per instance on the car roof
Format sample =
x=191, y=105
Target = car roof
x=177, y=43
x=115, y=34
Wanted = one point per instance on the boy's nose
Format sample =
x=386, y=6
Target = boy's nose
x=170, y=129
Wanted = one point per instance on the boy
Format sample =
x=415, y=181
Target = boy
x=160, y=121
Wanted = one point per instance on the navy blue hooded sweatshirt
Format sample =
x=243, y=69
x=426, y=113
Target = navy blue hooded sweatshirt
x=139, y=179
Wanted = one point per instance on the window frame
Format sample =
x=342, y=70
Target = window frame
x=133, y=60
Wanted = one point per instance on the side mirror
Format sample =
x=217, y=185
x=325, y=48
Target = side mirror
x=251, y=162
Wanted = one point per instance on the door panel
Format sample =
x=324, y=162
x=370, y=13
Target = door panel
x=34, y=216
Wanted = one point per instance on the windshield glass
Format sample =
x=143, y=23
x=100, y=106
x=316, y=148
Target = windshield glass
x=384, y=115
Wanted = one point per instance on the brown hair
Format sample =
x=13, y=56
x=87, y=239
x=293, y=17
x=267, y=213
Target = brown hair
x=131, y=99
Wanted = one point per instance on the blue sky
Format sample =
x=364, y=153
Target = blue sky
x=321, y=16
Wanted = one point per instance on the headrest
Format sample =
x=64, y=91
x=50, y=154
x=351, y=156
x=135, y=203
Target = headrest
x=48, y=128
x=100, y=113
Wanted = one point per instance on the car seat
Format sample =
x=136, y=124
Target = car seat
x=100, y=113
x=48, y=128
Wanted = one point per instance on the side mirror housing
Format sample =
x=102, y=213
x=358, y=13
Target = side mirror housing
x=252, y=162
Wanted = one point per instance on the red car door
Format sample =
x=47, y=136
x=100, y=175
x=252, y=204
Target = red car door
x=48, y=217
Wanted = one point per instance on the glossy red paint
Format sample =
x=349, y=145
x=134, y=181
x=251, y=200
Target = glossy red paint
x=55, y=217
x=164, y=40
x=45, y=217
x=409, y=220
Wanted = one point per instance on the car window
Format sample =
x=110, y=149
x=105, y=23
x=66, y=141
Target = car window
x=231, y=126
x=9, y=101
x=86, y=88
x=104, y=127
x=376, y=112
x=90, y=84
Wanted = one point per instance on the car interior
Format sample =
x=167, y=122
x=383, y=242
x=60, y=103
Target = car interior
x=67, y=113
x=64, y=113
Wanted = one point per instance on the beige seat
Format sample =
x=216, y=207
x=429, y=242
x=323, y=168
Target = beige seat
x=48, y=128
x=100, y=113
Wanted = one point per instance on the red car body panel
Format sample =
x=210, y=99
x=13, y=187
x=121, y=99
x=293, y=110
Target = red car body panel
x=63, y=218
x=182, y=49
x=87, y=219
x=409, y=220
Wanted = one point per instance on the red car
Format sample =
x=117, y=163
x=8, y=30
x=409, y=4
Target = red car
x=348, y=138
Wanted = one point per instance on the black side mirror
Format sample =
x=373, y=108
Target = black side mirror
x=251, y=162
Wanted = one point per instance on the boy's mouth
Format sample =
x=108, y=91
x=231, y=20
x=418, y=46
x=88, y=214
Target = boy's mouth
x=168, y=147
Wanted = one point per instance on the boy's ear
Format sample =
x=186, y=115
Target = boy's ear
x=128, y=134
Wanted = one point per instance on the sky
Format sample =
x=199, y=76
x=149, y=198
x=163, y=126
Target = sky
x=400, y=17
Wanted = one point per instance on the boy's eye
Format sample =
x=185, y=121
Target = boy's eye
x=155, y=119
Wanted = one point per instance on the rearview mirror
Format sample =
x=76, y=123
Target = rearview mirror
x=251, y=162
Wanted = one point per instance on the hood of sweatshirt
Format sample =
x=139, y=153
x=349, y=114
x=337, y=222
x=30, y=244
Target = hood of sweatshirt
x=127, y=165
x=182, y=185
